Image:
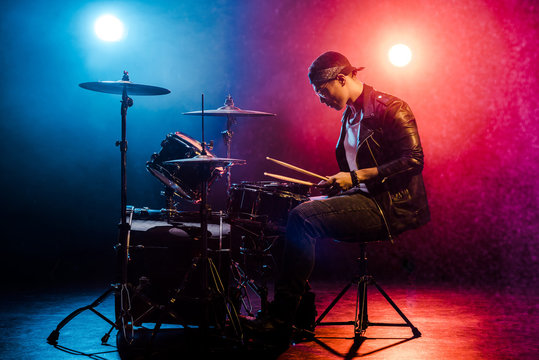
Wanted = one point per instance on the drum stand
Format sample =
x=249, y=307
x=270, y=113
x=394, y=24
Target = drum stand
x=259, y=254
x=170, y=210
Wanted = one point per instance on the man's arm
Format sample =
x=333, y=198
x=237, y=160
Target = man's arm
x=406, y=145
x=404, y=141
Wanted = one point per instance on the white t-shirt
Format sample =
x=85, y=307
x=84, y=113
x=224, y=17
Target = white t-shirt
x=352, y=128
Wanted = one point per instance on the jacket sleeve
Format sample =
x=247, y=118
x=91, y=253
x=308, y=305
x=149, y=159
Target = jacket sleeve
x=406, y=155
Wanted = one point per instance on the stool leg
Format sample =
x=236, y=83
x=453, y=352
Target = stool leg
x=333, y=303
x=415, y=330
x=361, y=321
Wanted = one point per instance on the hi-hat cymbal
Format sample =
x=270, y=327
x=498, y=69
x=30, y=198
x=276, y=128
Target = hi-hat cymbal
x=230, y=110
x=117, y=87
x=209, y=160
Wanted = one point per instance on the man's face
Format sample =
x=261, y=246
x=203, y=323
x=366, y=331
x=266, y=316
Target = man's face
x=332, y=94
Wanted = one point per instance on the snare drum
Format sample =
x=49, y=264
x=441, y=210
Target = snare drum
x=185, y=180
x=266, y=202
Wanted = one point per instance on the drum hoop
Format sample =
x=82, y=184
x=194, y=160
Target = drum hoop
x=278, y=192
x=189, y=141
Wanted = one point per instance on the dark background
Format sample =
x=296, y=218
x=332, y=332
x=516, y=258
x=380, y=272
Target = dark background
x=472, y=85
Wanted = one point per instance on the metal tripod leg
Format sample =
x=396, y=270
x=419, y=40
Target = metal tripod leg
x=415, y=330
x=361, y=321
x=54, y=335
x=361, y=314
x=333, y=303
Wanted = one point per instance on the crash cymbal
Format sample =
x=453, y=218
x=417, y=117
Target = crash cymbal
x=117, y=87
x=205, y=159
x=230, y=110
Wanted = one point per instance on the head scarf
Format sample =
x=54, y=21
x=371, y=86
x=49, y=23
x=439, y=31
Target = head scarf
x=327, y=66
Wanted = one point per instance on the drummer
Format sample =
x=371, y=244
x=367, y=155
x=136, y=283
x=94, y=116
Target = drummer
x=377, y=194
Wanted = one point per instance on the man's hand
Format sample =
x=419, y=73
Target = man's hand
x=336, y=183
x=342, y=181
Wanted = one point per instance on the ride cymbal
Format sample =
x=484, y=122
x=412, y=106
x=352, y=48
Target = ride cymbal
x=117, y=87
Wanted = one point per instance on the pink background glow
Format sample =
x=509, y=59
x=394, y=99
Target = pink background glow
x=472, y=85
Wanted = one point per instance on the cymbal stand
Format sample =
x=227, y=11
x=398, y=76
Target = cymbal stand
x=204, y=211
x=125, y=317
x=206, y=261
x=124, y=321
x=207, y=265
x=227, y=138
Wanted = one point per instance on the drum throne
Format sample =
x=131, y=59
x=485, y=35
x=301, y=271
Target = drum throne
x=361, y=280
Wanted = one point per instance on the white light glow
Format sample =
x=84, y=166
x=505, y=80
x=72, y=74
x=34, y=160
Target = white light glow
x=109, y=28
x=400, y=55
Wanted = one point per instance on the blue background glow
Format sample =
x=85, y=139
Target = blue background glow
x=472, y=85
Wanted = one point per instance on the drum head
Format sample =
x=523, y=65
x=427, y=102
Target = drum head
x=186, y=179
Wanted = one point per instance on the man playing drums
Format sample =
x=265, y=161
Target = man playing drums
x=377, y=194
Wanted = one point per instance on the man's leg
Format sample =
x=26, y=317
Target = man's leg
x=352, y=217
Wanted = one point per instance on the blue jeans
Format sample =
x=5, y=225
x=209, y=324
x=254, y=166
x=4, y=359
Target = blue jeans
x=351, y=217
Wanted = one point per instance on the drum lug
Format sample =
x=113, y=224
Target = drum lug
x=209, y=146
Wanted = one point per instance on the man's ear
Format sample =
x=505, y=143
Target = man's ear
x=341, y=79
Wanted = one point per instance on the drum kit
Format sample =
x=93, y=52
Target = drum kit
x=256, y=212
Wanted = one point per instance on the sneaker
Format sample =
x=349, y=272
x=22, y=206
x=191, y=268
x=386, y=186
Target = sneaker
x=267, y=332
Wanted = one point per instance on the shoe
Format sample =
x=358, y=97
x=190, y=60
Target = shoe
x=273, y=327
x=301, y=335
x=266, y=324
x=306, y=313
x=265, y=332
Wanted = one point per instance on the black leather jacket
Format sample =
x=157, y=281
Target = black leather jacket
x=389, y=140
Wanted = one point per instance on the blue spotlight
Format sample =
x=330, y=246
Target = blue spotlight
x=109, y=28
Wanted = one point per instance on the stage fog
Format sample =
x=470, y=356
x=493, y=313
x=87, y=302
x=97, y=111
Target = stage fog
x=471, y=83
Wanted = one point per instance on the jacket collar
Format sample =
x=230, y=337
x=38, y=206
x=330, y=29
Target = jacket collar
x=368, y=101
x=364, y=130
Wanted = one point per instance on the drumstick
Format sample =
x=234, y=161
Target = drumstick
x=282, y=163
x=286, y=178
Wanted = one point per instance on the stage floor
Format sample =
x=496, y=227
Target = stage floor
x=456, y=323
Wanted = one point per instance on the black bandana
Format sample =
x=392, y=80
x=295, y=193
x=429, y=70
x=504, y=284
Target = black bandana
x=325, y=75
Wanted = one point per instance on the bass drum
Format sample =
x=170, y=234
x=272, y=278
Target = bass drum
x=164, y=274
x=186, y=179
